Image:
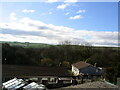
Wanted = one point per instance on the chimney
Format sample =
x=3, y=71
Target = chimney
x=95, y=64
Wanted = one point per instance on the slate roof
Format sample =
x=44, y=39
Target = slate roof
x=31, y=71
x=81, y=64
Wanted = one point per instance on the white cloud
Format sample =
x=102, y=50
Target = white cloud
x=28, y=30
x=81, y=11
x=76, y=17
x=28, y=11
x=51, y=1
x=13, y=16
x=63, y=6
x=67, y=13
x=67, y=3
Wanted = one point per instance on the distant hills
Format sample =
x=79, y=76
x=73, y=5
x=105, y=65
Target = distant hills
x=27, y=44
x=44, y=45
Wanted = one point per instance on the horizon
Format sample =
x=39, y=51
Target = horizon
x=60, y=44
x=81, y=22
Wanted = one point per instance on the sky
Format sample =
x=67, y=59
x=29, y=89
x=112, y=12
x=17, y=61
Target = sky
x=51, y=22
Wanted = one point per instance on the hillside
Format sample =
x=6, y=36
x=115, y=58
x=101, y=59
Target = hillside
x=44, y=45
x=27, y=44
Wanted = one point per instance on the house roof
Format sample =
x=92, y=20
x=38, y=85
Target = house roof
x=81, y=64
x=31, y=71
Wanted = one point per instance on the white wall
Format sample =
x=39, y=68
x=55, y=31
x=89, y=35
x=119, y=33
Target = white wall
x=75, y=70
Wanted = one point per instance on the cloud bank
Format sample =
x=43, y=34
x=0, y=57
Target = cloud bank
x=13, y=16
x=28, y=30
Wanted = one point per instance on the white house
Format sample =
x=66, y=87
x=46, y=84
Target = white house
x=83, y=68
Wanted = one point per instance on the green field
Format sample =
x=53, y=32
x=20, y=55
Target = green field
x=27, y=44
x=43, y=45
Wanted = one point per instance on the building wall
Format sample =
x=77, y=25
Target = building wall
x=75, y=70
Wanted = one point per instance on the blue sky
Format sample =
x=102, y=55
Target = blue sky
x=81, y=22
